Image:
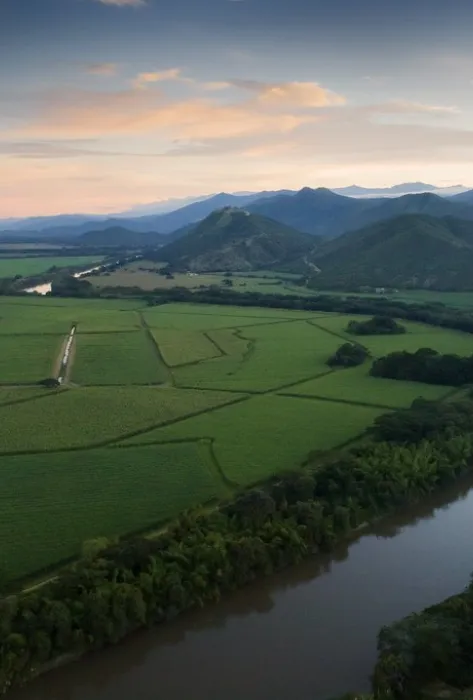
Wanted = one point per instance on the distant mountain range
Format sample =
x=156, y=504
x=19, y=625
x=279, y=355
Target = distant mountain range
x=397, y=190
x=408, y=251
x=324, y=213
x=73, y=225
x=233, y=239
x=119, y=237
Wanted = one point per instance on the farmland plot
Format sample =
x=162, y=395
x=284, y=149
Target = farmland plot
x=93, y=415
x=261, y=436
x=276, y=355
x=29, y=358
x=50, y=503
x=116, y=358
x=183, y=347
x=355, y=385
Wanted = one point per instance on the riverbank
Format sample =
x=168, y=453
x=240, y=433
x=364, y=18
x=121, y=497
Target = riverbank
x=202, y=556
x=280, y=637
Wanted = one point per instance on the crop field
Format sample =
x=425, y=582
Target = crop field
x=27, y=267
x=93, y=415
x=27, y=358
x=418, y=336
x=48, y=511
x=116, y=358
x=185, y=347
x=356, y=386
x=166, y=407
x=267, y=434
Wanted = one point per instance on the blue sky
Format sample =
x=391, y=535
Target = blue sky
x=108, y=103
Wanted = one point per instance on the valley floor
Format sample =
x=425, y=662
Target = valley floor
x=167, y=407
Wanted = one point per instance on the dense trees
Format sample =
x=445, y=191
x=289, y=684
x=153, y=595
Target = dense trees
x=434, y=646
x=425, y=365
x=124, y=585
x=378, y=325
x=348, y=355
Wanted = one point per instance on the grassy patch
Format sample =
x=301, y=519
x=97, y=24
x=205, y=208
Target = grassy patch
x=50, y=504
x=356, y=385
x=116, y=358
x=45, y=317
x=267, y=434
x=14, y=394
x=181, y=347
x=418, y=336
x=27, y=267
x=276, y=355
x=201, y=317
x=91, y=415
x=28, y=359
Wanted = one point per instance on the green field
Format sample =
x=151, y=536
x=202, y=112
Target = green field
x=117, y=358
x=267, y=434
x=144, y=274
x=86, y=416
x=51, y=503
x=179, y=347
x=167, y=407
x=28, y=267
x=29, y=358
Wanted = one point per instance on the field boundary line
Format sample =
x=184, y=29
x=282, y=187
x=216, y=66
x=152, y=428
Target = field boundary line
x=173, y=421
x=156, y=347
x=262, y=392
x=193, y=363
x=27, y=399
x=270, y=318
x=114, y=442
x=201, y=439
x=346, y=338
x=314, y=397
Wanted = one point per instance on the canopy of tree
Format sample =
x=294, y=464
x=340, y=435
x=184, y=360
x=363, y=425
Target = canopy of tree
x=378, y=325
x=425, y=365
x=348, y=355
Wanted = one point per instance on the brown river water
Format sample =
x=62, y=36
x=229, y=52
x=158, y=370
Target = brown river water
x=306, y=634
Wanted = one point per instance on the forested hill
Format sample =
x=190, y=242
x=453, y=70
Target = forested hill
x=324, y=213
x=233, y=239
x=408, y=251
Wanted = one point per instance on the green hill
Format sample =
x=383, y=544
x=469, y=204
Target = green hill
x=232, y=239
x=410, y=251
x=119, y=237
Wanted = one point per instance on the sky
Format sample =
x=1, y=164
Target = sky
x=105, y=104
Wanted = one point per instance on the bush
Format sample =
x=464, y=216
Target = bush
x=348, y=355
x=378, y=325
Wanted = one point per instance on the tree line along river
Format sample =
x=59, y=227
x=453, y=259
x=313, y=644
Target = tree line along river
x=308, y=633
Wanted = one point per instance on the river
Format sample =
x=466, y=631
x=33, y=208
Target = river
x=308, y=633
x=45, y=287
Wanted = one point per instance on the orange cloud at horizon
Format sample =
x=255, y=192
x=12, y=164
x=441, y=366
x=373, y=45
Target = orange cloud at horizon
x=104, y=151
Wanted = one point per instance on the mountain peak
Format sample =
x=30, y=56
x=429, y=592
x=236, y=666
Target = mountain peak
x=233, y=239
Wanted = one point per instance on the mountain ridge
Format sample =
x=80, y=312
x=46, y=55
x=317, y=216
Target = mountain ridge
x=232, y=239
x=409, y=251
